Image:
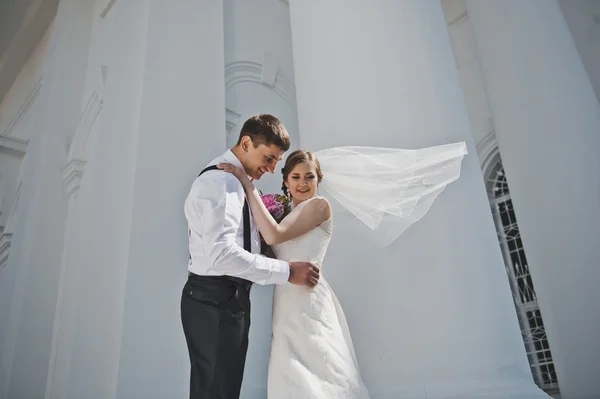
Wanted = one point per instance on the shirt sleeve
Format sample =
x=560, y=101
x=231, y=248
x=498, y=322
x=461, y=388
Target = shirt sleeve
x=214, y=211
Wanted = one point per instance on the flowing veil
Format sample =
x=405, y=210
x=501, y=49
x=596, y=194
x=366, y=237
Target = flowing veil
x=388, y=189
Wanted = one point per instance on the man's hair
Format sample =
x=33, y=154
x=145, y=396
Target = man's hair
x=265, y=129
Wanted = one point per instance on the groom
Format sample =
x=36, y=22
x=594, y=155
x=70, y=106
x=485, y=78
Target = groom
x=225, y=260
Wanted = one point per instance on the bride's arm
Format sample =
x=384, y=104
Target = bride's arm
x=312, y=215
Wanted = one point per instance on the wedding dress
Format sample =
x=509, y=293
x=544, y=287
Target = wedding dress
x=312, y=355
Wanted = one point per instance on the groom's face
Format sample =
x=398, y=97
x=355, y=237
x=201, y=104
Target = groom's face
x=261, y=159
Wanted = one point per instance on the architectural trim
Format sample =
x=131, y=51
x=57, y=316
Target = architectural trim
x=73, y=171
x=84, y=129
x=5, y=241
x=247, y=71
x=71, y=176
x=488, y=152
x=231, y=120
x=23, y=109
x=6, y=232
x=13, y=209
x=13, y=145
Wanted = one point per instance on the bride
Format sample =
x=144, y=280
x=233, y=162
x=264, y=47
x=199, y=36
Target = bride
x=312, y=355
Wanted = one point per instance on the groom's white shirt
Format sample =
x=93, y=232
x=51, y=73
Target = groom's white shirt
x=213, y=209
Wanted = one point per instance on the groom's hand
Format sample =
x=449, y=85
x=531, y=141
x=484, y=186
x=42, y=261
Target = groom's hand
x=304, y=273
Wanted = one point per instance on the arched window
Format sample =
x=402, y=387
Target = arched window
x=528, y=311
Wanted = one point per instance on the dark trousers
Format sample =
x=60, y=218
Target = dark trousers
x=215, y=314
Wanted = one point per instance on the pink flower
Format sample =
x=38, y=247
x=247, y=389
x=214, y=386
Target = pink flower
x=273, y=205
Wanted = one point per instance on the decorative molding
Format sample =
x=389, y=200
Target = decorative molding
x=8, y=227
x=2, y=191
x=487, y=150
x=6, y=233
x=23, y=109
x=269, y=70
x=84, y=129
x=247, y=71
x=5, y=241
x=107, y=8
x=231, y=120
x=71, y=176
x=13, y=145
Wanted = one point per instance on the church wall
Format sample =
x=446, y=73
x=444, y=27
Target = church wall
x=153, y=113
x=259, y=78
x=469, y=69
x=583, y=20
x=98, y=248
x=181, y=127
x=259, y=72
x=16, y=121
x=17, y=112
x=18, y=100
x=549, y=276
x=36, y=256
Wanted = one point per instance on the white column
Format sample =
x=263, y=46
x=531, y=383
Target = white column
x=182, y=128
x=431, y=315
x=259, y=78
x=547, y=121
x=38, y=242
x=163, y=119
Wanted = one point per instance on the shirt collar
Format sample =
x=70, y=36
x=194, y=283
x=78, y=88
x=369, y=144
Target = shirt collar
x=230, y=157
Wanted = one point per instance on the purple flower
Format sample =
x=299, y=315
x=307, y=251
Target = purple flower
x=273, y=205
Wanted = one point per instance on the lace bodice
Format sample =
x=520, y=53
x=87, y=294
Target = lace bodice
x=309, y=247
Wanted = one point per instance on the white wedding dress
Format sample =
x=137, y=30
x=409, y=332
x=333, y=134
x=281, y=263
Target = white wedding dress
x=312, y=356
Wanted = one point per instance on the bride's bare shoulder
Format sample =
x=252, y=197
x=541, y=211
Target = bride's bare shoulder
x=319, y=206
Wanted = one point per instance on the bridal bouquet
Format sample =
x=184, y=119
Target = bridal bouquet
x=278, y=205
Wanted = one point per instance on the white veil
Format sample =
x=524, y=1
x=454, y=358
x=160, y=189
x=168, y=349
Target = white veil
x=388, y=189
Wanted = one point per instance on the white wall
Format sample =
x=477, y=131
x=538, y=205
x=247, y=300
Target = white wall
x=259, y=71
x=583, y=20
x=431, y=315
x=260, y=79
x=23, y=90
x=163, y=91
x=547, y=119
x=36, y=255
x=17, y=112
x=16, y=121
x=181, y=128
x=469, y=69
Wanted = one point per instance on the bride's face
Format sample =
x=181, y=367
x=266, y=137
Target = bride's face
x=302, y=182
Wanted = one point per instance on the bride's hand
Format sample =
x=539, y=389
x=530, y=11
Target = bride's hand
x=237, y=172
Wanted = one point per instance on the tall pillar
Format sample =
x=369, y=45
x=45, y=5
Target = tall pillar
x=37, y=248
x=162, y=120
x=432, y=314
x=259, y=78
x=182, y=128
x=547, y=121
